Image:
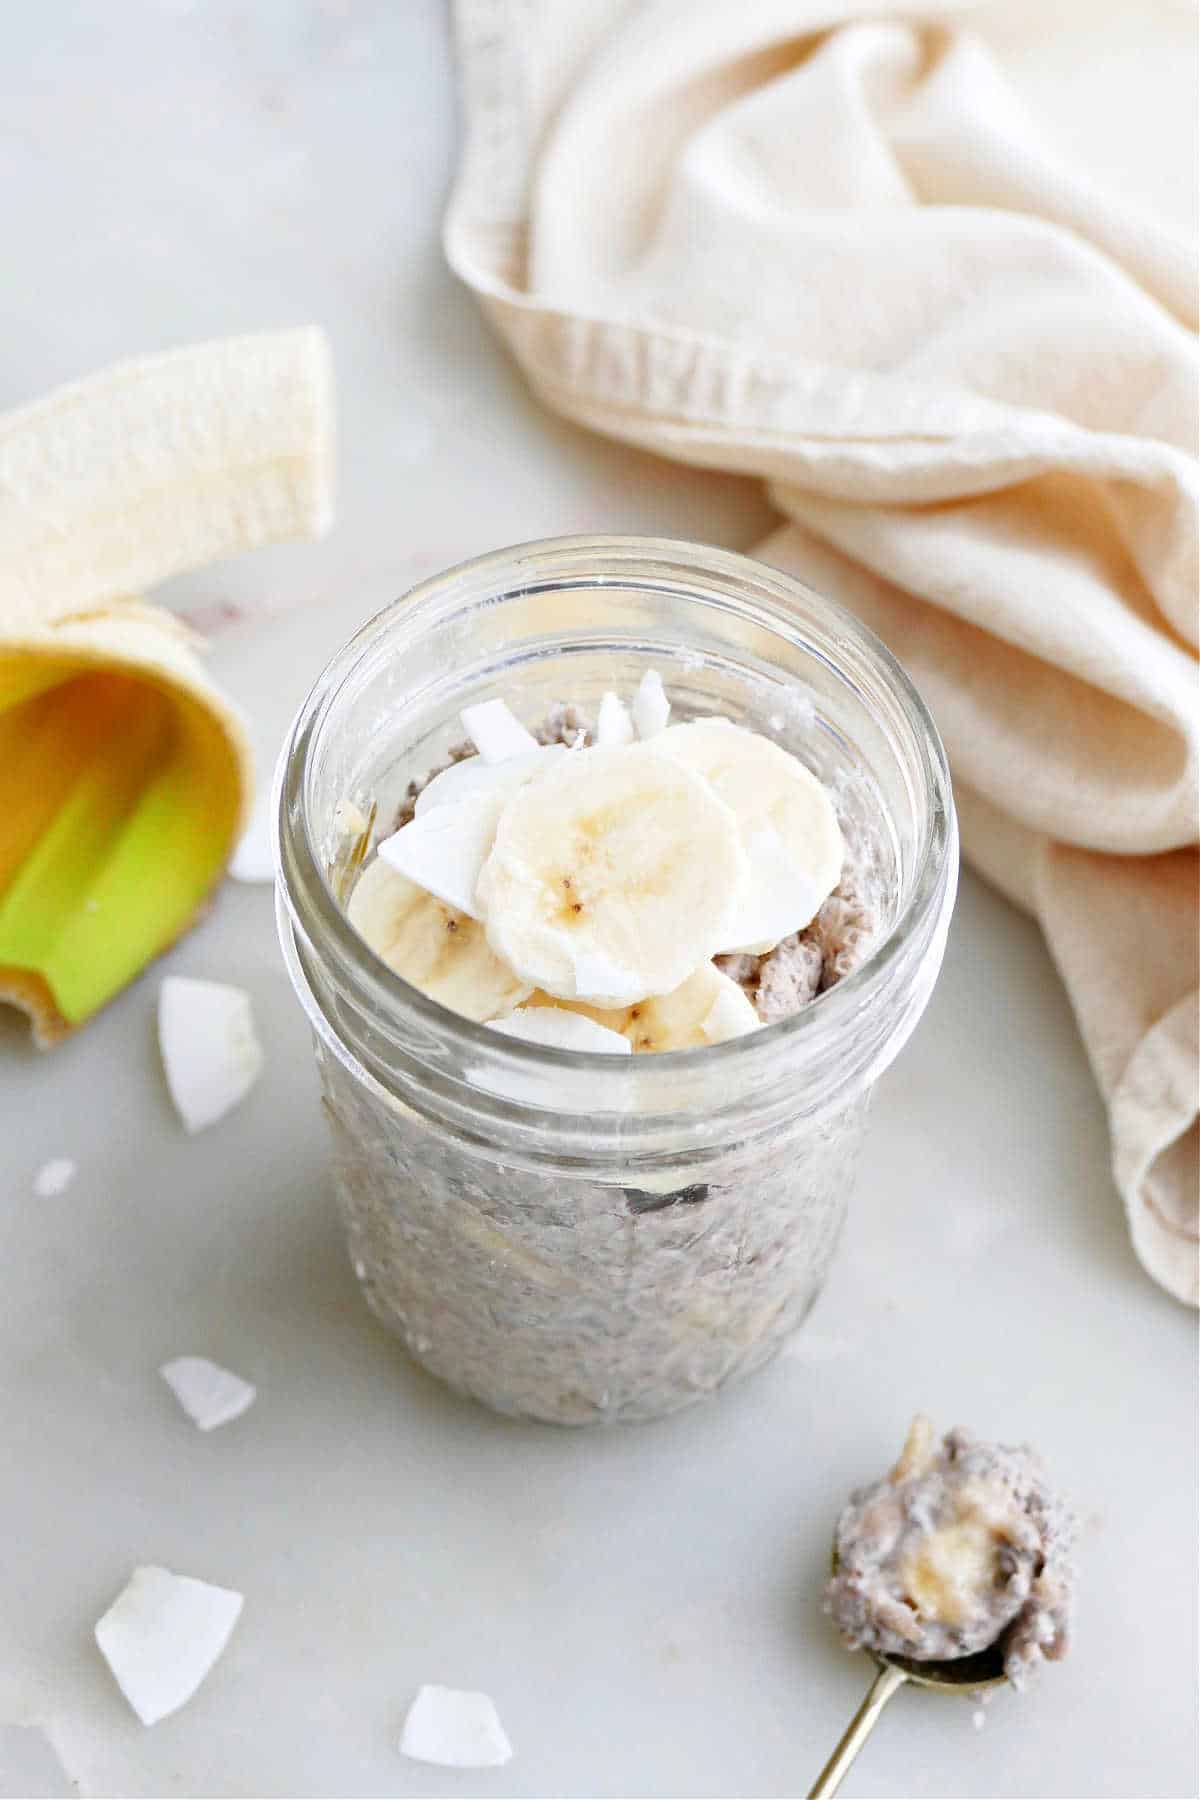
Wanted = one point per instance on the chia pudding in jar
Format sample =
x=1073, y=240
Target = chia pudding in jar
x=613, y=873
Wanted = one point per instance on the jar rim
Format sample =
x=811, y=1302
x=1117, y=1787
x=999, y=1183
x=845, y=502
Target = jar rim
x=601, y=559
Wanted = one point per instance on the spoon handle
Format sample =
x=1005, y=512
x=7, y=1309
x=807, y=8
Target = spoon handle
x=858, y=1731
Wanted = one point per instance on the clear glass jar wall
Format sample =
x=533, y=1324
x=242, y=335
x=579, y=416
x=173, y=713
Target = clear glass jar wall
x=577, y=1237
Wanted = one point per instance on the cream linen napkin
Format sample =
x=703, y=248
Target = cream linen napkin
x=777, y=237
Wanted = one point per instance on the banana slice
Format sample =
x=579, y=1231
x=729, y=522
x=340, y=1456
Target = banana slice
x=705, y=1009
x=612, y=876
x=440, y=950
x=789, y=829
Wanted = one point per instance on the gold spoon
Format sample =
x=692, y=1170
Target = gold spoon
x=950, y=1675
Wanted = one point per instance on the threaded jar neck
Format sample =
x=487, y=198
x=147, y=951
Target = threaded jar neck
x=566, y=619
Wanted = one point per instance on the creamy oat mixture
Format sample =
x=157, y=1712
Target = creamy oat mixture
x=963, y=1545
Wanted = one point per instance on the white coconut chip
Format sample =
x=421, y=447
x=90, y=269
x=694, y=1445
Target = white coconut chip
x=254, y=859
x=210, y=1053
x=778, y=898
x=444, y=850
x=651, y=708
x=162, y=1635
x=473, y=776
x=208, y=1394
x=349, y=819
x=54, y=1177
x=455, y=1729
x=614, y=723
x=561, y=1029
x=729, y=1016
x=496, y=732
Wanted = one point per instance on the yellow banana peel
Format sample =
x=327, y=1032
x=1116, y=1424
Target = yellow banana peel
x=125, y=775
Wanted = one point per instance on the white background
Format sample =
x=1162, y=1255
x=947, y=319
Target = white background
x=642, y=1604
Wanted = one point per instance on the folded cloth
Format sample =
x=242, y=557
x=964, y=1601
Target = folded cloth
x=124, y=773
x=830, y=250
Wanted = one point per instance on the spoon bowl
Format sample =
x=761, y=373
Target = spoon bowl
x=950, y=1675
x=972, y=1674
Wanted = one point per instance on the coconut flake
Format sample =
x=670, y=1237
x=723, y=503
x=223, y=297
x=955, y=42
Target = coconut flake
x=473, y=776
x=208, y=1394
x=254, y=858
x=778, y=897
x=54, y=1177
x=651, y=708
x=563, y=1030
x=210, y=1053
x=444, y=850
x=349, y=819
x=614, y=723
x=496, y=732
x=730, y=1015
x=162, y=1635
x=456, y=1729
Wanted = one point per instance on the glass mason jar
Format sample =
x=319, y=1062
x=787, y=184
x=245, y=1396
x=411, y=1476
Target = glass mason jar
x=571, y=1236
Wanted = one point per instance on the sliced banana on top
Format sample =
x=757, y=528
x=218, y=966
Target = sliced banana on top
x=438, y=948
x=612, y=876
x=705, y=1009
x=788, y=826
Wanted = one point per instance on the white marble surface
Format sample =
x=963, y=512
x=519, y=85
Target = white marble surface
x=641, y=1604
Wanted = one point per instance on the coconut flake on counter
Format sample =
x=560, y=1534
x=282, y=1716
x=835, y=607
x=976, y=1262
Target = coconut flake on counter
x=210, y=1053
x=162, y=1635
x=496, y=732
x=651, y=708
x=561, y=1029
x=456, y=1729
x=614, y=723
x=54, y=1177
x=208, y=1394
